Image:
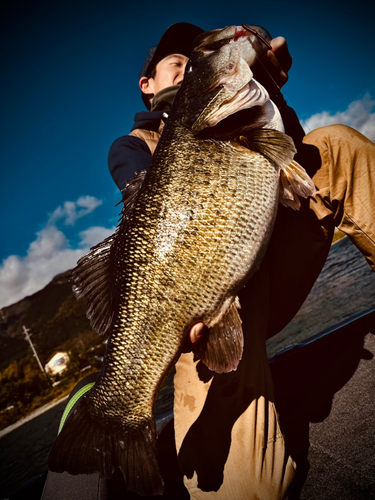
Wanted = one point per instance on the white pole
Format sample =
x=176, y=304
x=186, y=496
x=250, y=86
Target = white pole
x=26, y=332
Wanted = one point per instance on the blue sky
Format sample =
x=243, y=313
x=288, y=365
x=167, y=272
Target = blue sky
x=70, y=88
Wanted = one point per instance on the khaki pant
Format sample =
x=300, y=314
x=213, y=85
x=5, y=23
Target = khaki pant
x=227, y=432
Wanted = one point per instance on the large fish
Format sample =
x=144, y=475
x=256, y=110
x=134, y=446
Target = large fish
x=194, y=229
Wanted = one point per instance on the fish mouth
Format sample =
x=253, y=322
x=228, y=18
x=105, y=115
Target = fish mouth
x=236, y=89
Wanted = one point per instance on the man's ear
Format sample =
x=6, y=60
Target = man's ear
x=146, y=85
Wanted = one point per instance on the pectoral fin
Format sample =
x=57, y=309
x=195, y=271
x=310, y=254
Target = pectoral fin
x=274, y=145
x=221, y=350
x=279, y=148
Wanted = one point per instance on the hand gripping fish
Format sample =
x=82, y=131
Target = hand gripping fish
x=194, y=228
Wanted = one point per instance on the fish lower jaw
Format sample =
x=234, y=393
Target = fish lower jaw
x=250, y=95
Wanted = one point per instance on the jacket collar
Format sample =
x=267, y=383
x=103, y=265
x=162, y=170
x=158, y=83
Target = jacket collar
x=162, y=102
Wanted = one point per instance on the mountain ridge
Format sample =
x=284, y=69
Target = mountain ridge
x=53, y=316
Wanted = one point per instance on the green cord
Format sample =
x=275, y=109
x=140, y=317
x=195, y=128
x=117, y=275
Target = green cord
x=72, y=402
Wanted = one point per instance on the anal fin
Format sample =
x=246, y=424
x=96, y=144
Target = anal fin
x=294, y=182
x=221, y=350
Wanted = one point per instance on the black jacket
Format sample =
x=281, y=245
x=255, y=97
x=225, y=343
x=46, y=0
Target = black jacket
x=129, y=154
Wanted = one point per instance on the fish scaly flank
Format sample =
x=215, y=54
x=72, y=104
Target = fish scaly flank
x=194, y=228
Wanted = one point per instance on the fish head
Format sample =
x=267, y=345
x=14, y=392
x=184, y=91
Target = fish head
x=218, y=80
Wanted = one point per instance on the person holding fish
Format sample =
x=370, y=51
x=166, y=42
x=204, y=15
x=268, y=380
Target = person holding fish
x=202, y=233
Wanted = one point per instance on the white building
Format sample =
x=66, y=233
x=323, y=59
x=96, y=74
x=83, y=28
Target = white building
x=57, y=364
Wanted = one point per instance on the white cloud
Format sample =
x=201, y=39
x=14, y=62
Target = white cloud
x=359, y=115
x=73, y=210
x=48, y=240
x=94, y=234
x=50, y=253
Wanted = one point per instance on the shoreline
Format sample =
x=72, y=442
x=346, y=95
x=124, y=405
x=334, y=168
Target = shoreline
x=31, y=416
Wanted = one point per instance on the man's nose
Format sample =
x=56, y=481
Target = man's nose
x=181, y=73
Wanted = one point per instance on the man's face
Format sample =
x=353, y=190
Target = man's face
x=169, y=71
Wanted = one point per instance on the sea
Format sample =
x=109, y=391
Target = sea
x=345, y=288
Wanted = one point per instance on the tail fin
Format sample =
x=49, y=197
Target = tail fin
x=89, y=444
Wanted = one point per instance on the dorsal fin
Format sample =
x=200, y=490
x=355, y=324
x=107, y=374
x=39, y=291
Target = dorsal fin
x=92, y=275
